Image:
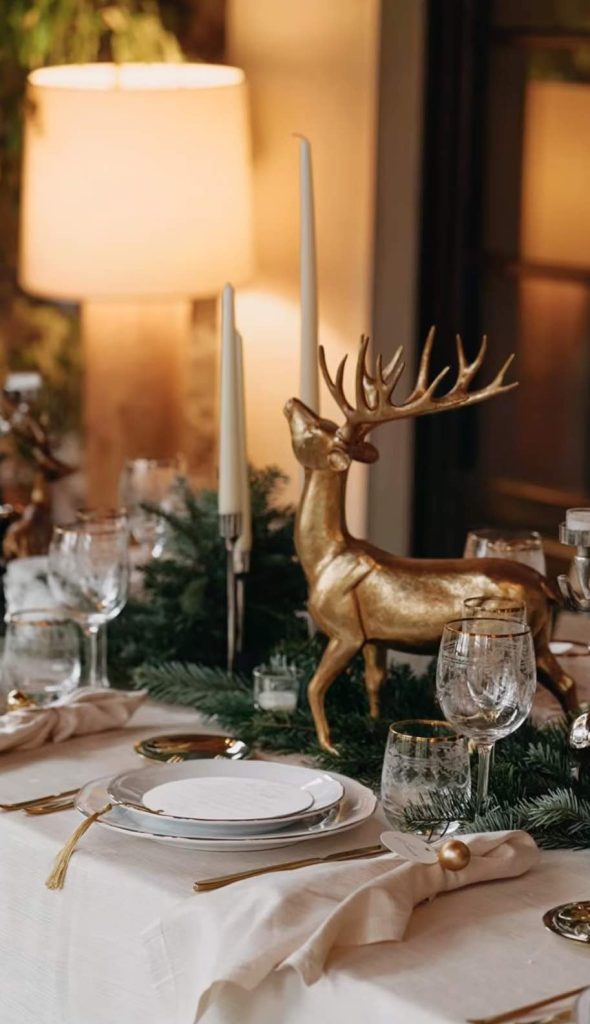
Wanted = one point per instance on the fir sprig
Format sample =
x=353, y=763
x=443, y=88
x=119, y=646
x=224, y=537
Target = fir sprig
x=180, y=615
x=531, y=785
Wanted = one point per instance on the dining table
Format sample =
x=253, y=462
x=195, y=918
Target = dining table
x=83, y=955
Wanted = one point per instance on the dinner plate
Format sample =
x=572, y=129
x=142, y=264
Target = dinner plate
x=357, y=805
x=188, y=793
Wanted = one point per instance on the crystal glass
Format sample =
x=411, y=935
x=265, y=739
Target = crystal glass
x=88, y=570
x=41, y=656
x=149, y=482
x=524, y=546
x=276, y=687
x=485, y=683
x=423, y=758
x=91, y=514
x=494, y=607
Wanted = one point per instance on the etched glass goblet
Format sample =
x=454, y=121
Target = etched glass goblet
x=485, y=683
x=524, y=546
x=481, y=607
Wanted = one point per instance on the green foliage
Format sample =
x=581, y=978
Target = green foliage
x=531, y=786
x=181, y=615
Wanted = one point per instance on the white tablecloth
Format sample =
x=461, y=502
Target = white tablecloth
x=77, y=956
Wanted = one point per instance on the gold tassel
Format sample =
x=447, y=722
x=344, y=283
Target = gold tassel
x=58, y=873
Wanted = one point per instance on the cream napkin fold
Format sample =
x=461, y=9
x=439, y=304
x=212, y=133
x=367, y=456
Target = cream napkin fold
x=82, y=712
x=297, y=918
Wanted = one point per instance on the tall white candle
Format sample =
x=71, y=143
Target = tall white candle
x=230, y=486
x=244, y=544
x=309, y=386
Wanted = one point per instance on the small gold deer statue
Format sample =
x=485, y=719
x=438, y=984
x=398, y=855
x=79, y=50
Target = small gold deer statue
x=365, y=598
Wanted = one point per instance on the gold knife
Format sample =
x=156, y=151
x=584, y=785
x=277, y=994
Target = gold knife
x=206, y=884
x=521, y=1011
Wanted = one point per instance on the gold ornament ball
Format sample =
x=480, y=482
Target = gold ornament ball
x=454, y=855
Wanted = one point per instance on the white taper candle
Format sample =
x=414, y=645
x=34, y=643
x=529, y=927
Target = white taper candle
x=309, y=386
x=230, y=487
x=244, y=544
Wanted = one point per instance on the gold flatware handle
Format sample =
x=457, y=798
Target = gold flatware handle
x=21, y=805
x=50, y=807
x=217, y=883
x=520, y=1011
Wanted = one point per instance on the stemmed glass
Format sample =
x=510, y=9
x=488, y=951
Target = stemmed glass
x=485, y=683
x=524, y=546
x=482, y=607
x=88, y=570
x=149, y=482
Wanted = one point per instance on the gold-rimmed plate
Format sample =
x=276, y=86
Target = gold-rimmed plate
x=192, y=746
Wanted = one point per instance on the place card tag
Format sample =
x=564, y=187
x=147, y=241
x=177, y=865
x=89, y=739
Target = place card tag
x=410, y=847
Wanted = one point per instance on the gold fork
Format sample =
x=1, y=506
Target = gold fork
x=22, y=805
x=56, y=801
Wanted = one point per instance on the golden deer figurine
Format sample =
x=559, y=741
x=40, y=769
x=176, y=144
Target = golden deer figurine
x=365, y=598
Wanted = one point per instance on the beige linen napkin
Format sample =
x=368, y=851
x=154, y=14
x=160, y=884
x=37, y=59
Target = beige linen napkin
x=82, y=712
x=297, y=918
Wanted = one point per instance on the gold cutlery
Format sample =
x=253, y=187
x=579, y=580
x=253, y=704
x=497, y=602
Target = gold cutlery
x=22, y=805
x=207, y=884
x=51, y=806
x=521, y=1011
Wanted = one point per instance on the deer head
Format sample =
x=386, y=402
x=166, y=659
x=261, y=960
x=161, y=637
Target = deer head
x=316, y=443
x=321, y=444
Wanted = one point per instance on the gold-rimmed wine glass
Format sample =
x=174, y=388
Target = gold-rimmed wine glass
x=483, y=607
x=485, y=683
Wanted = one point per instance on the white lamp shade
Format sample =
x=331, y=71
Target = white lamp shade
x=555, y=224
x=136, y=181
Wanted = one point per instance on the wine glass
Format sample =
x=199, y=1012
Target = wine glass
x=485, y=683
x=482, y=607
x=524, y=546
x=88, y=571
x=149, y=482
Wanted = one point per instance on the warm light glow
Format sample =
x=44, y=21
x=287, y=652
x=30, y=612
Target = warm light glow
x=136, y=181
x=555, y=224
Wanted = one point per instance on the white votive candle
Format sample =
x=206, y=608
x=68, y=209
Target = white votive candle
x=577, y=519
x=277, y=700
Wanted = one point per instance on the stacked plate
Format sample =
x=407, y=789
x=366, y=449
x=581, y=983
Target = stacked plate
x=227, y=806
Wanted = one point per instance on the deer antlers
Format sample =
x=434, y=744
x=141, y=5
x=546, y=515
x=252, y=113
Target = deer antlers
x=374, y=394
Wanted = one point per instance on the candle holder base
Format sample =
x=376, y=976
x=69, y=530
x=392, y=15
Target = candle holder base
x=580, y=539
x=230, y=527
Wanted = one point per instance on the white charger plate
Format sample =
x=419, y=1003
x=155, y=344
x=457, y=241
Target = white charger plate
x=162, y=790
x=356, y=807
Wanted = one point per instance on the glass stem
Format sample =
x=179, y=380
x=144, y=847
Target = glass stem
x=484, y=752
x=92, y=653
x=103, y=675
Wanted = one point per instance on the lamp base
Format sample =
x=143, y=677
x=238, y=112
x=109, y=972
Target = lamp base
x=136, y=360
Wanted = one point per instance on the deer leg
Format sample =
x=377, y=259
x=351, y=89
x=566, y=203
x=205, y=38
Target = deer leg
x=375, y=668
x=336, y=656
x=552, y=676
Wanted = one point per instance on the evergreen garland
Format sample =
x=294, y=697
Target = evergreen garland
x=531, y=786
x=172, y=639
x=181, y=612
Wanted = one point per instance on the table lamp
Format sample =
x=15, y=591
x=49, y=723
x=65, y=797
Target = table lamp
x=136, y=199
